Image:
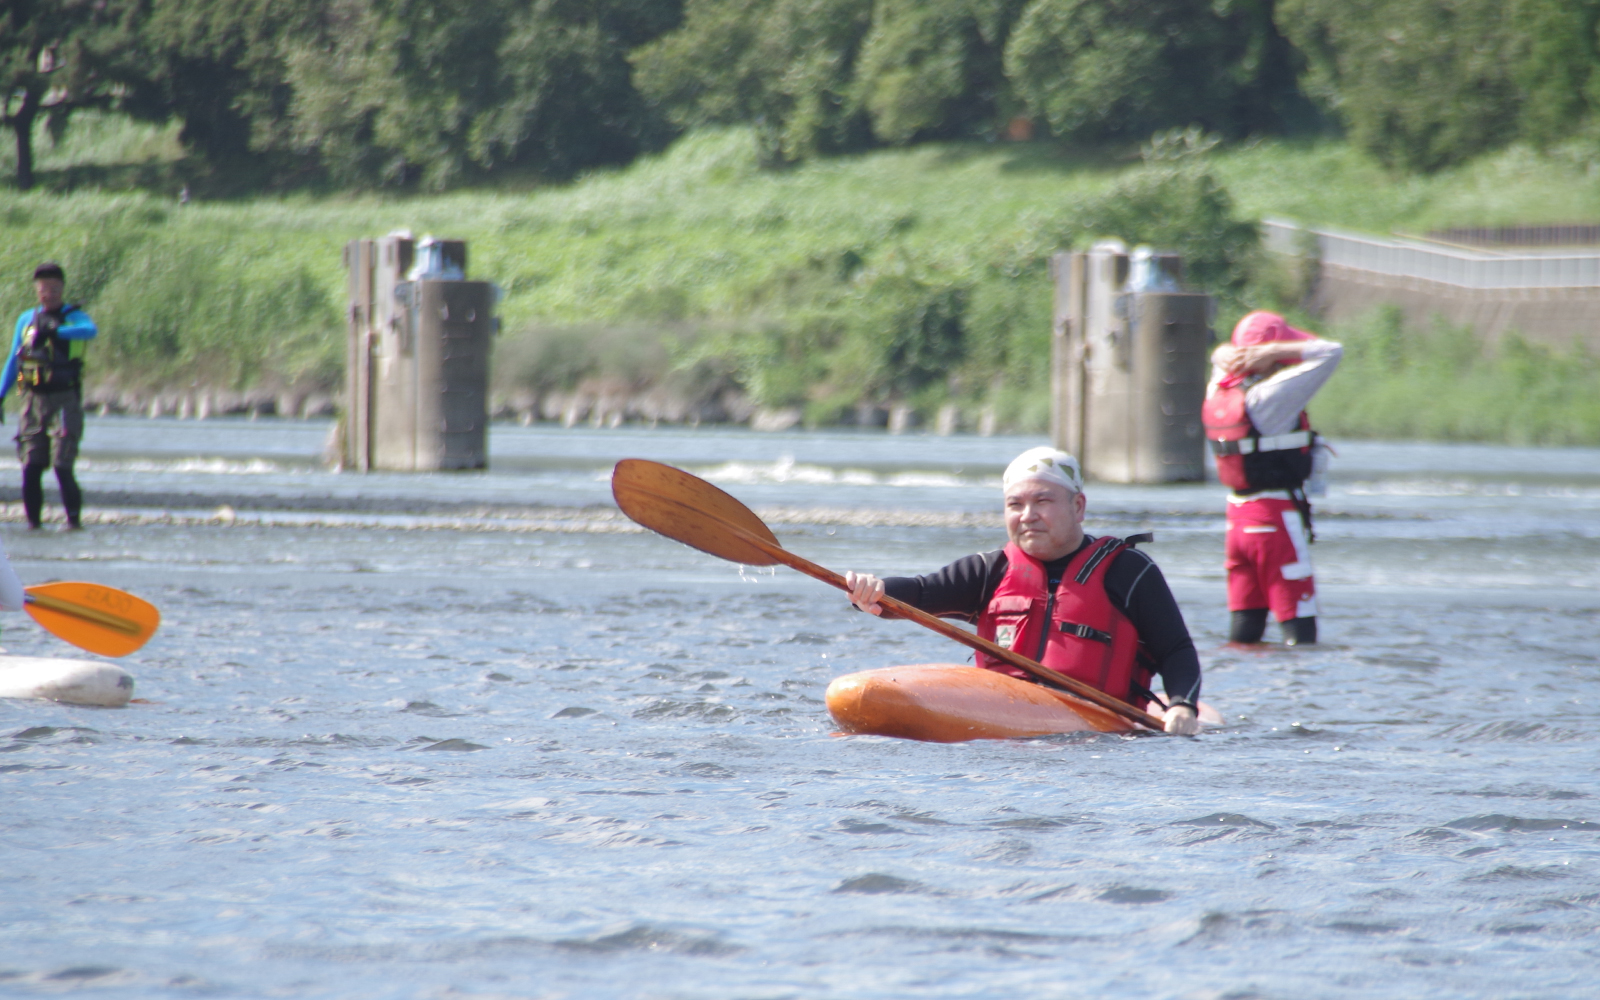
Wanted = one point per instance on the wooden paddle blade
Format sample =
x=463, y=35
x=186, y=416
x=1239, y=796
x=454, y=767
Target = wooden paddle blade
x=101, y=619
x=690, y=510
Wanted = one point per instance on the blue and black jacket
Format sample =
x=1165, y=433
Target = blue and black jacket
x=74, y=331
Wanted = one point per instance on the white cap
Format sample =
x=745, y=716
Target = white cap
x=1049, y=464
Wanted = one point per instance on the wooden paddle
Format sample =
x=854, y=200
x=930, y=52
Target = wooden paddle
x=690, y=510
x=101, y=619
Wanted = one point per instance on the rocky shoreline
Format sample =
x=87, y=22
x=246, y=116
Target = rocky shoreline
x=199, y=403
x=594, y=403
x=608, y=403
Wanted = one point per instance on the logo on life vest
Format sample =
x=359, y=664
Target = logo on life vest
x=1005, y=635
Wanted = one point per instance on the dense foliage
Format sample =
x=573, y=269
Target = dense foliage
x=439, y=92
x=818, y=75
x=1427, y=83
x=360, y=91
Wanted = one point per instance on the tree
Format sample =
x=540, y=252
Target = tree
x=218, y=67
x=1128, y=67
x=934, y=68
x=568, y=99
x=52, y=63
x=1557, y=69
x=1424, y=84
x=817, y=76
x=430, y=90
x=785, y=66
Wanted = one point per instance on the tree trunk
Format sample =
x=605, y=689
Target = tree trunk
x=22, y=124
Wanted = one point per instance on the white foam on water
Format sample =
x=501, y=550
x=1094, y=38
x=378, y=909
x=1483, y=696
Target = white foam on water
x=787, y=470
x=204, y=466
x=1464, y=488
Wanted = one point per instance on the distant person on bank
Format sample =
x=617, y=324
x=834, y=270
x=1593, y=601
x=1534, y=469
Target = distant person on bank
x=46, y=366
x=1095, y=609
x=1255, y=420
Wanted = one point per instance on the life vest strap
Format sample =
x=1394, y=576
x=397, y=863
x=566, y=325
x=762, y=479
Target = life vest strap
x=1107, y=546
x=1148, y=695
x=1251, y=445
x=1085, y=632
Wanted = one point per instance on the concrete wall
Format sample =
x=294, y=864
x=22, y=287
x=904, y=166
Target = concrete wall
x=1549, y=296
x=1554, y=316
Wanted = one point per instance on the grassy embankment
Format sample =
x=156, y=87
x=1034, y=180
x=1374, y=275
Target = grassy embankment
x=915, y=277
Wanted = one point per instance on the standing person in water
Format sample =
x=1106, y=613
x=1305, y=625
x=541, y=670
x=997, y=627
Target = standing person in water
x=1255, y=419
x=1094, y=609
x=46, y=365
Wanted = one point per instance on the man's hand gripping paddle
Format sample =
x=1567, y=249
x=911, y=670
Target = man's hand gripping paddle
x=690, y=510
x=102, y=620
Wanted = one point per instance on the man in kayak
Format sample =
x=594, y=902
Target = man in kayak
x=1092, y=608
x=46, y=367
x=1255, y=420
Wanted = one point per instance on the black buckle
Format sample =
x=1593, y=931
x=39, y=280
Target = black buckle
x=1085, y=632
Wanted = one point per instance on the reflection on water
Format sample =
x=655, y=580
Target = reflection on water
x=406, y=755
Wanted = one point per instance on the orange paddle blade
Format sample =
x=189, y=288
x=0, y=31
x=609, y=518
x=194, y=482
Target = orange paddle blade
x=690, y=510
x=91, y=616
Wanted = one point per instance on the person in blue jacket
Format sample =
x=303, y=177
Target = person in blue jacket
x=46, y=366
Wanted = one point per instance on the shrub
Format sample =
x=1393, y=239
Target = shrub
x=1444, y=383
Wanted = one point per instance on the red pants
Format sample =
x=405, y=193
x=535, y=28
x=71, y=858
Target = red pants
x=1268, y=560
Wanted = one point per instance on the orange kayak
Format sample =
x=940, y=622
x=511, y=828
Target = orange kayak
x=950, y=703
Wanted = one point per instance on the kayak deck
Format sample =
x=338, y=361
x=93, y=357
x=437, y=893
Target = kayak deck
x=76, y=682
x=952, y=703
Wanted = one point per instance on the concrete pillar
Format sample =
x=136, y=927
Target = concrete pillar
x=1129, y=366
x=418, y=383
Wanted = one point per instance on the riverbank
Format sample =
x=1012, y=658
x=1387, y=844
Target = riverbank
x=904, y=288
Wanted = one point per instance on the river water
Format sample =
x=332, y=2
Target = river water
x=472, y=736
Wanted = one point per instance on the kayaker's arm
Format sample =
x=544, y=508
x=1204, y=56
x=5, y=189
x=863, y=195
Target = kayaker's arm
x=960, y=590
x=865, y=591
x=1136, y=587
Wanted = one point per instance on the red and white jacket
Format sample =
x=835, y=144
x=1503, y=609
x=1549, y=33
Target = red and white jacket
x=1260, y=435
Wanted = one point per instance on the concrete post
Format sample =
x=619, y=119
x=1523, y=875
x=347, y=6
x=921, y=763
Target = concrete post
x=418, y=383
x=1130, y=366
x=1068, y=389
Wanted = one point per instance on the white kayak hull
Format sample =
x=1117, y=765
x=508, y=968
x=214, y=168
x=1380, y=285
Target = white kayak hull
x=76, y=682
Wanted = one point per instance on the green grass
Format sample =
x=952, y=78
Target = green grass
x=96, y=138
x=1327, y=182
x=1445, y=384
x=915, y=274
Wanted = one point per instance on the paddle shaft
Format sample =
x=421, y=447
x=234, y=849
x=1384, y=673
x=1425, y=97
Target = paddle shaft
x=957, y=633
x=116, y=623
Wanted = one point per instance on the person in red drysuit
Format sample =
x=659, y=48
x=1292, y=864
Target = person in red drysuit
x=1261, y=383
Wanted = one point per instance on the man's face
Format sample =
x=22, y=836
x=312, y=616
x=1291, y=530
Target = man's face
x=49, y=292
x=1044, y=519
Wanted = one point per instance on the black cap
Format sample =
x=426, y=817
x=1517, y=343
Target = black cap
x=49, y=269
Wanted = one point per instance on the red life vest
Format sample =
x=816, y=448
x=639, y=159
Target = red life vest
x=1076, y=631
x=1246, y=461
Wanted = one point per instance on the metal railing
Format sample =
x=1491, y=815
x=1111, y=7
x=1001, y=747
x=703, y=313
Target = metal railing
x=1573, y=235
x=1462, y=267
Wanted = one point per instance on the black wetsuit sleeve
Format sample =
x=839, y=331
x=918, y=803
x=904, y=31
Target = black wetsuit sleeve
x=960, y=590
x=1136, y=587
